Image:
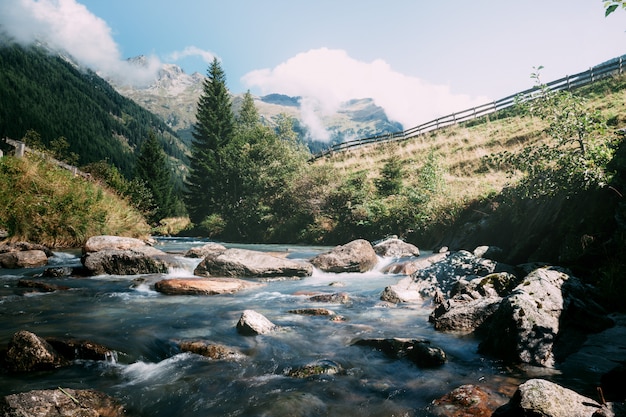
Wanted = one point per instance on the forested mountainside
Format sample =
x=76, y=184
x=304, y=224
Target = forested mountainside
x=43, y=92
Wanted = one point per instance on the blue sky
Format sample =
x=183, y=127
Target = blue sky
x=417, y=59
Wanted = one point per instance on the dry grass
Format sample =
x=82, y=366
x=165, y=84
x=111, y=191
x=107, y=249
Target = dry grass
x=461, y=149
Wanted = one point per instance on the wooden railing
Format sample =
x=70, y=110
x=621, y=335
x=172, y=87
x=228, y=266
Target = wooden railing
x=570, y=82
x=21, y=149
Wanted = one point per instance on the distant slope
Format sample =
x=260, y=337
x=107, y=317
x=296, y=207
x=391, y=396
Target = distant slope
x=46, y=93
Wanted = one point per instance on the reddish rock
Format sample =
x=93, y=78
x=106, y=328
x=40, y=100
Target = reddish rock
x=467, y=401
x=203, y=286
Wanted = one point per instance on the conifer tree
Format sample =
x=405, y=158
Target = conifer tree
x=153, y=169
x=212, y=132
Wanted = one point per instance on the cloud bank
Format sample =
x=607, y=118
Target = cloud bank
x=70, y=26
x=325, y=78
x=191, y=51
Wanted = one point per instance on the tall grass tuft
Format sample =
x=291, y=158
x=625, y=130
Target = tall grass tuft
x=42, y=203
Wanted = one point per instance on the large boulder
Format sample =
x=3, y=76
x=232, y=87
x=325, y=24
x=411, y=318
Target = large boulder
x=528, y=323
x=460, y=315
x=28, y=352
x=356, y=256
x=243, y=263
x=420, y=352
x=106, y=242
x=202, y=251
x=23, y=259
x=538, y=397
x=126, y=262
x=202, y=286
x=404, y=291
x=396, y=248
x=252, y=323
x=61, y=402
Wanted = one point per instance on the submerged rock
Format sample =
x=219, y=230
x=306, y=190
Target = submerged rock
x=61, y=402
x=538, y=397
x=203, y=286
x=243, y=263
x=252, y=323
x=419, y=352
x=210, y=350
x=356, y=256
x=40, y=286
x=321, y=367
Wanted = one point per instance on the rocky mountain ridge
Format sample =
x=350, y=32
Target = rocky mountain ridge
x=173, y=96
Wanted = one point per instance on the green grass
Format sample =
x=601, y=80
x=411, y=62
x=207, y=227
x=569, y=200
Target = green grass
x=45, y=204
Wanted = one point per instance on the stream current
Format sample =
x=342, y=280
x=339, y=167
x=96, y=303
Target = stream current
x=151, y=376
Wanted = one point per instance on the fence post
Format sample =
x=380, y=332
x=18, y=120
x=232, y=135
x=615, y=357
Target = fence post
x=20, y=148
x=569, y=86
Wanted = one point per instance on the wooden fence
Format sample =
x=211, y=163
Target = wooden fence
x=569, y=82
x=21, y=149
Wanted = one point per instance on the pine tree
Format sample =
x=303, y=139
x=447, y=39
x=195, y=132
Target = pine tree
x=153, y=169
x=213, y=130
x=248, y=116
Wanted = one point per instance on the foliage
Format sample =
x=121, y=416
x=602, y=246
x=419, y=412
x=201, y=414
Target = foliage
x=45, y=204
x=612, y=5
x=153, y=169
x=206, y=186
x=390, y=181
x=135, y=191
x=577, y=156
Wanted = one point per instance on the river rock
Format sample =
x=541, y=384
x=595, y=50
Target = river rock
x=409, y=267
x=252, y=323
x=419, y=352
x=490, y=252
x=28, y=352
x=72, y=349
x=25, y=246
x=457, y=314
x=105, y=242
x=210, y=350
x=244, y=263
x=23, y=259
x=467, y=401
x=40, y=286
x=202, y=251
x=61, y=402
x=538, y=397
x=312, y=311
x=202, y=286
x=528, y=322
x=320, y=367
x=396, y=248
x=356, y=256
x=144, y=260
x=404, y=291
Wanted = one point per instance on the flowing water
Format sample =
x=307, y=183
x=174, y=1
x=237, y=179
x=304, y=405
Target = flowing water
x=152, y=377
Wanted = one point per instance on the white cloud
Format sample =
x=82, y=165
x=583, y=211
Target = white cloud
x=206, y=56
x=328, y=77
x=70, y=26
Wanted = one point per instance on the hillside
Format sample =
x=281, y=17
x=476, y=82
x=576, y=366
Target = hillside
x=472, y=209
x=47, y=93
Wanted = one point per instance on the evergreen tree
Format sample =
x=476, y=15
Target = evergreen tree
x=248, y=116
x=153, y=169
x=213, y=130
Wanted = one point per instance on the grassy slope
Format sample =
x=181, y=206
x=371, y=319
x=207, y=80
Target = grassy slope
x=45, y=204
x=461, y=148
